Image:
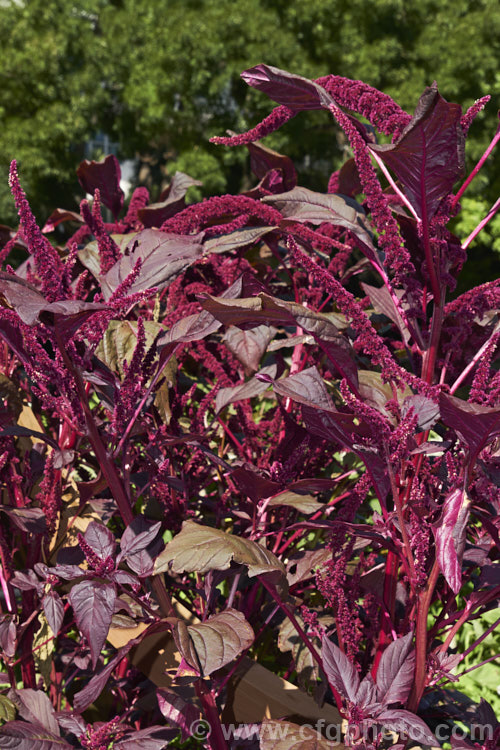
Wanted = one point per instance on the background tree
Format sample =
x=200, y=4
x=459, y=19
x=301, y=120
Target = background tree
x=160, y=79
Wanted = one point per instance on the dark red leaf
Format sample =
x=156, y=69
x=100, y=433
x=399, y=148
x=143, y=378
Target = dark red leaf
x=303, y=205
x=428, y=157
x=349, y=182
x=292, y=91
x=101, y=539
x=105, y=176
x=249, y=346
x=29, y=303
x=20, y=735
x=255, y=486
x=164, y=256
x=177, y=711
x=264, y=159
x=408, y=724
x=35, y=706
x=8, y=633
x=93, y=605
x=58, y=217
x=31, y=520
x=341, y=672
x=475, y=424
x=171, y=201
x=54, y=610
x=450, y=537
x=250, y=389
x=94, y=688
x=396, y=671
x=137, y=536
x=152, y=738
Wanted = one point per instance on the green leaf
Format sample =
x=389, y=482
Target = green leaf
x=303, y=503
x=198, y=549
x=7, y=709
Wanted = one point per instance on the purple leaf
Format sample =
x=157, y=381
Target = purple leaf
x=104, y=176
x=101, y=539
x=68, y=572
x=25, y=580
x=366, y=696
x=250, y=389
x=254, y=311
x=124, y=578
x=341, y=672
x=171, y=201
x=255, y=486
x=476, y=425
x=97, y=683
x=177, y=711
x=152, y=738
x=292, y=91
x=71, y=722
x=142, y=563
x=383, y=303
x=35, y=707
x=409, y=724
x=222, y=243
x=164, y=256
x=303, y=205
x=450, y=537
x=137, y=536
x=427, y=411
x=249, y=346
x=93, y=605
x=428, y=157
x=8, y=633
x=57, y=217
x=29, y=303
x=396, y=671
x=264, y=159
x=31, y=520
x=23, y=736
x=54, y=610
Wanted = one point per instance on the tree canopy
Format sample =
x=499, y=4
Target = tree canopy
x=161, y=78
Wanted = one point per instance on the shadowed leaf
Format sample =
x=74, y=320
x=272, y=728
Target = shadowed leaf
x=104, y=176
x=215, y=642
x=35, y=706
x=23, y=736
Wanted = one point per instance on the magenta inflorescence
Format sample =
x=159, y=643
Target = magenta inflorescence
x=49, y=266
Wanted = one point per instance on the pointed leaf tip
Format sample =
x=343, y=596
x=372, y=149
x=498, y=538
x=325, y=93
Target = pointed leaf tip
x=289, y=90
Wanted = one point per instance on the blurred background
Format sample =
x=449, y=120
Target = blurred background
x=152, y=81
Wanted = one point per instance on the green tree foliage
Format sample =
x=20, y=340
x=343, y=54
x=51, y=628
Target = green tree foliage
x=161, y=78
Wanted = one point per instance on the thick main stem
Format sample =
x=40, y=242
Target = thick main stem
x=421, y=640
